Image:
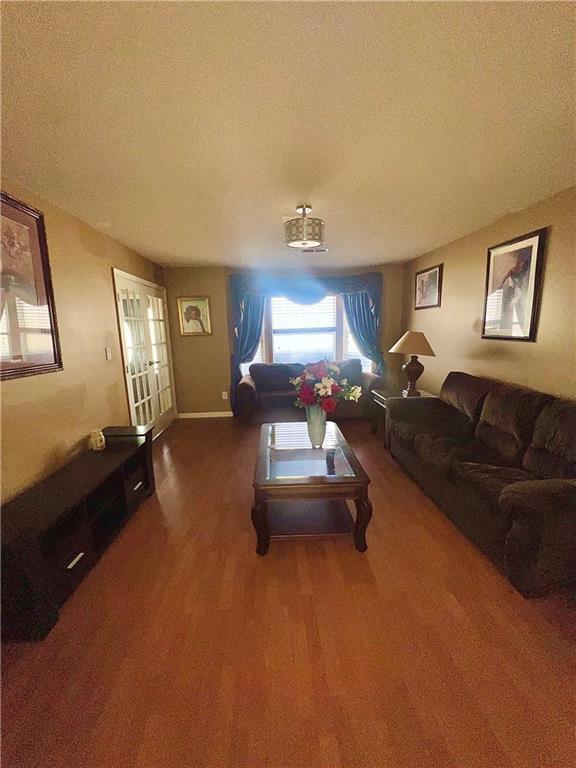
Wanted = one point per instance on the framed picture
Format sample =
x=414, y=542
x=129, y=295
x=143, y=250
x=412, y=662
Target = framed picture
x=29, y=342
x=428, y=287
x=194, y=316
x=513, y=285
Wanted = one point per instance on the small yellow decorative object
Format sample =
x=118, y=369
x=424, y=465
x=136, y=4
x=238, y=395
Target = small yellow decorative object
x=97, y=440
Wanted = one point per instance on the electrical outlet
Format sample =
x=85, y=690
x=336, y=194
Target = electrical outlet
x=224, y=395
x=108, y=352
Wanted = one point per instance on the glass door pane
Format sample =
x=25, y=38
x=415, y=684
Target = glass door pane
x=133, y=320
x=145, y=336
x=160, y=359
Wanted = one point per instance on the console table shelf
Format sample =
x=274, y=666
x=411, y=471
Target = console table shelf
x=53, y=533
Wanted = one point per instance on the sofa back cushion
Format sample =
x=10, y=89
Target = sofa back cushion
x=350, y=369
x=506, y=424
x=552, y=452
x=272, y=377
x=465, y=392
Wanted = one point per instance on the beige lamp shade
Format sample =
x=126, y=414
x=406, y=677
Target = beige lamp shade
x=413, y=343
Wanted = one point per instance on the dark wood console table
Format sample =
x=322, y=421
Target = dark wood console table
x=54, y=532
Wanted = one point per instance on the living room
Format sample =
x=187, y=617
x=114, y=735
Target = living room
x=367, y=209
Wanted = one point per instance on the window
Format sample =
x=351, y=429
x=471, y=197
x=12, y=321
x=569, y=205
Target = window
x=306, y=333
x=303, y=332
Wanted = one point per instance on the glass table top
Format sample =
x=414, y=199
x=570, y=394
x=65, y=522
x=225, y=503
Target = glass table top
x=290, y=454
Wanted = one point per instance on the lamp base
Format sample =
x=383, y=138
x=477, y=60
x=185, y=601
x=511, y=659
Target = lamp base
x=413, y=370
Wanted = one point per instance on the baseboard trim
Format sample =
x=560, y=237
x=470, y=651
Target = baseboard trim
x=206, y=415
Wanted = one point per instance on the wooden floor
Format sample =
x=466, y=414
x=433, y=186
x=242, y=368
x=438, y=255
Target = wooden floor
x=183, y=648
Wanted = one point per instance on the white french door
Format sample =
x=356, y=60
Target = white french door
x=145, y=337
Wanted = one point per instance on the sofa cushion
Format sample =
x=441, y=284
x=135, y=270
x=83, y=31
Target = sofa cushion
x=277, y=398
x=465, y=392
x=552, y=452
x=272, y=377
x=506, y=424
x=438, y=451
x=405, y=432
x=487, y=480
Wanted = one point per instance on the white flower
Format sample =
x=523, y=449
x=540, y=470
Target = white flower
x=355, y=393
x=333, y=368
x=324, y=389
x=310, y=377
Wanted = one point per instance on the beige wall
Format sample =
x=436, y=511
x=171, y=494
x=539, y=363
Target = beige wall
x=46, y=418
x=202, y=364
x=454, y=329
x=392, y=329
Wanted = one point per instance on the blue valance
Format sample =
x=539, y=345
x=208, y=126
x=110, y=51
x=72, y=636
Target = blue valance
x=305, y=289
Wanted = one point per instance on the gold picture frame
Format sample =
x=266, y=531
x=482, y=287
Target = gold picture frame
x=194, y=316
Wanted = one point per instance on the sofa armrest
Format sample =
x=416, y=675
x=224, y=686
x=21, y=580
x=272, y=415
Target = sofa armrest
x=541, y=539
x=414, y=410
x=247, y=396
x=371, y=381
x=368, y=382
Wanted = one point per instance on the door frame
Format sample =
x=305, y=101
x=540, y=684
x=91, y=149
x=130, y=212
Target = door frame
x=119, y=273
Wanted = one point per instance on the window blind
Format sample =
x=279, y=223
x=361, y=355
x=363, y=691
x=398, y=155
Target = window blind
x=287, y=315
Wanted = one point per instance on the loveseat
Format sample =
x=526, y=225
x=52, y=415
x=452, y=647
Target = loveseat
x=500, y=461
x=267, y=387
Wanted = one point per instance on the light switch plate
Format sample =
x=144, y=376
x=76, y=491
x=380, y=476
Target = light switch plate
x=224, y=395
x=108, y=353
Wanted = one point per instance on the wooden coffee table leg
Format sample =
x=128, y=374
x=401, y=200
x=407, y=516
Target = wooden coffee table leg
x=260, y=523
x=363, y=517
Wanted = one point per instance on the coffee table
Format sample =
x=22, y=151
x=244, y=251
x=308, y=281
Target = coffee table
x=289, y=469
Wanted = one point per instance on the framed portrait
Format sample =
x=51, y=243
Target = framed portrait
x=428, y=287
x=513, y=287
x=194, y=316
x=29, y=342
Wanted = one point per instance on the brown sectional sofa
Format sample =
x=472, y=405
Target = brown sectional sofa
x=500, y=460
x=268, y=387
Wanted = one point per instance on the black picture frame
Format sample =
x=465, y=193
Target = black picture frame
x=25, y=271
x=435, y=275
x=511, y=310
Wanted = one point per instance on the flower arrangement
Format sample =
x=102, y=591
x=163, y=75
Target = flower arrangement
x=321, y=384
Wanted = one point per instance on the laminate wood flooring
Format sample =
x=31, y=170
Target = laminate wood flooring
x=184, y=649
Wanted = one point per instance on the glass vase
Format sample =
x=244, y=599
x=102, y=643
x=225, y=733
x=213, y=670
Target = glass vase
x=316, y=419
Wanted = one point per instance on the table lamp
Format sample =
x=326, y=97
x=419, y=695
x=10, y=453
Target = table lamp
x=413, y=343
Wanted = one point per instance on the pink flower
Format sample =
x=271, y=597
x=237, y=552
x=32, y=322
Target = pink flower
x=336, y=389
x=319, y=370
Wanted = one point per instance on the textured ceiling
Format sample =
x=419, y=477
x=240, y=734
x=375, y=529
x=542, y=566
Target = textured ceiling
x=188, y=131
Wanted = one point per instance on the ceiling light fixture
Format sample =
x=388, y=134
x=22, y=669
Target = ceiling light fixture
x=304, y=232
